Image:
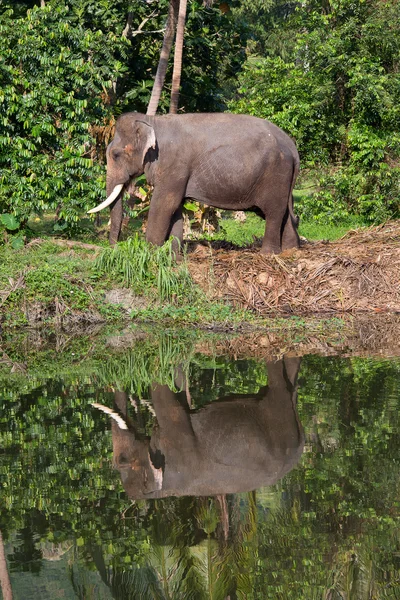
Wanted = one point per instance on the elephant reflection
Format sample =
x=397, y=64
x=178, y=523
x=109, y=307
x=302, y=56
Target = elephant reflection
x=238, y=443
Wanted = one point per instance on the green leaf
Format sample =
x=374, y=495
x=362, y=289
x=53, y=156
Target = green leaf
x=17, y=243
x=191, y=206
x=9, y=221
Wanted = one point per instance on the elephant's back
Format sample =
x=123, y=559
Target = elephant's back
x=226, y=128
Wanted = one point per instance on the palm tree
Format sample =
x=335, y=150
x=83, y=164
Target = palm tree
x=176, y=75
x=170, y=27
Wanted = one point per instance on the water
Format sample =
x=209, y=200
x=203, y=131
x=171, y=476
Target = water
x=280, y=481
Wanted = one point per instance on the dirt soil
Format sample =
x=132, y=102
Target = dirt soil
x=359, y=273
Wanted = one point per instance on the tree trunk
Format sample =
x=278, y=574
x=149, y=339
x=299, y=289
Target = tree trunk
x=128, y=27
x=165, y=52
x=176, y=75
x=5, y=583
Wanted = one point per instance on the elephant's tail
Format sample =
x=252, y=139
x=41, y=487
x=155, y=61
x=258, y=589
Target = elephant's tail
x=296, y=169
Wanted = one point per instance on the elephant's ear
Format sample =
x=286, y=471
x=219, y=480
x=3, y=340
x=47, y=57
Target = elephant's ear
x=146, y=137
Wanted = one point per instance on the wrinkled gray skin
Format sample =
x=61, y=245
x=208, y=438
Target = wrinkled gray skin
x=234, y=162
x=235, y=444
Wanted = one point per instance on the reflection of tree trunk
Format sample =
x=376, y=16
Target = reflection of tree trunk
x=165, y=52
x=224, y=520
x=176, y=75
x=5, y=583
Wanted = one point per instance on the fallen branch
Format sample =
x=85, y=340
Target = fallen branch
x=66, y=243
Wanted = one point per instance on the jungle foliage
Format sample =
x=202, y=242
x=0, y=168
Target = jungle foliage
x=326, y=71
x=67, y=69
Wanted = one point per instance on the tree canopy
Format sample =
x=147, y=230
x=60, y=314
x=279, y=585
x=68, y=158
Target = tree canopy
x=326, y=71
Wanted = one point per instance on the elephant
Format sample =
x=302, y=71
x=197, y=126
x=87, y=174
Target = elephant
x=228, y=161
x=235, y=444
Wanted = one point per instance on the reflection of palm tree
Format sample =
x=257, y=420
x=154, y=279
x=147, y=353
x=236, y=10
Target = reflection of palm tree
x=5, y=582
x=213, y=568
x=354, y=576
x=170, y=572
x=227, y=561
x=137, y=583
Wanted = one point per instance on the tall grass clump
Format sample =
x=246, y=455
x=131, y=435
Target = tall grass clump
x=146, y=268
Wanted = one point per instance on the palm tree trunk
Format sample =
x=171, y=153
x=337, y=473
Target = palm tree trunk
x=5, y=583
x=165, y=52
x=176, y=75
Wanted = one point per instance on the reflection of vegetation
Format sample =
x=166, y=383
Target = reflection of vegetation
x=146, y=363
x=149, y=359
x=330, y=529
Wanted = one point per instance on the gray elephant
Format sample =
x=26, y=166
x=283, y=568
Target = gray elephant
x=233, y=162
x=232, y=445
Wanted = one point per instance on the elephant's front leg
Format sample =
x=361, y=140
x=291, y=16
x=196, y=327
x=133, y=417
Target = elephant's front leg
x=165, y=217
x=116, y=221
x=176, y=231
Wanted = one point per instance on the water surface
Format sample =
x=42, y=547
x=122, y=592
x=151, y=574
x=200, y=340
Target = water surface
x=250, y=479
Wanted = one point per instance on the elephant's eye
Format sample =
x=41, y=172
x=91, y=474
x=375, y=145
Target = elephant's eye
x=116, y=153
x=123, y=460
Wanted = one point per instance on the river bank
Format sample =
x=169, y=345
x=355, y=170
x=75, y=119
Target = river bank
x=58, y=283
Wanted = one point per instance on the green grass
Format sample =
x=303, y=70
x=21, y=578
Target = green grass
x=48, y=280
x=316, y=231
x=84, y=230
x=240, y=234
x=53, y=279
x=143, y=268
x=153, y=272
x=244, y=234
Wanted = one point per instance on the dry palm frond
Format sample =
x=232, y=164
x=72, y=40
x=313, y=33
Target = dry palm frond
x=359, y=273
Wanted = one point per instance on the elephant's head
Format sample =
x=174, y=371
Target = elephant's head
x=140, y=468
x=126, y=155
x=141, y=475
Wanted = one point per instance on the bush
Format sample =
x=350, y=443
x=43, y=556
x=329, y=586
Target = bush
x=54, y=73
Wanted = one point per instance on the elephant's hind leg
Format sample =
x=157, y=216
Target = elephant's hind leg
x=271, y=243
x=290, y=237
x=274, y=212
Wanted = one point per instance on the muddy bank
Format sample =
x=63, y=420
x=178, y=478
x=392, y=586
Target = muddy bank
x=374, y=336
x=364, y=335
x=358, y=274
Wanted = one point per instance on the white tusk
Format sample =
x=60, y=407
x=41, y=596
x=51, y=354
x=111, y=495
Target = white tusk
x=114, y=194
x=112, y=413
